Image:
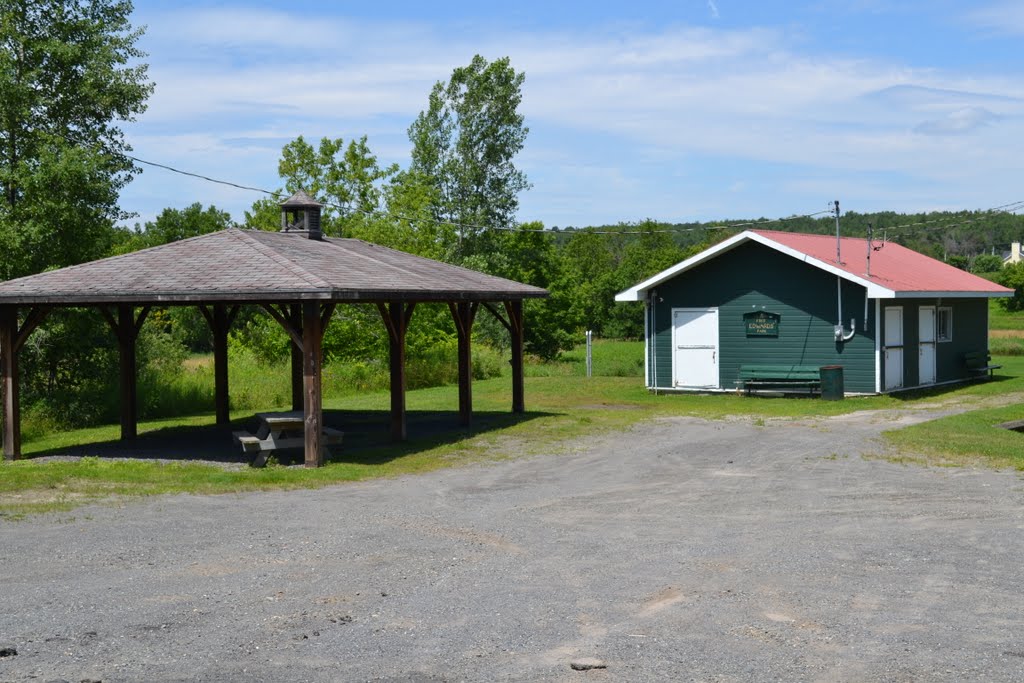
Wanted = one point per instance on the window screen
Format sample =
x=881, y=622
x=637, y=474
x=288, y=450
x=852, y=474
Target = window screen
x=944, y=323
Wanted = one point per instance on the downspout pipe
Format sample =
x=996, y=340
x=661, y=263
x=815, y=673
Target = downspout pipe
x=841, y=334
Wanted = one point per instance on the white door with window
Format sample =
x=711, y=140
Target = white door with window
x=926, y=345
x=695, y=348
x=892, y=350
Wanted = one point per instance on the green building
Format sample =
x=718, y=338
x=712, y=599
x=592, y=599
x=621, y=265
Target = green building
x=891, y=317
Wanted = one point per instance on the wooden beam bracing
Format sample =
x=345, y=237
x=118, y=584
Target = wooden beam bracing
x=143, y=314
x=497, y=314
x=285, y=319
x=326, y=312
x=35, y=316
x=205, y=310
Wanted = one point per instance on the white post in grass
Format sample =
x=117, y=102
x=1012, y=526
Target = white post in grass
x=590, y=352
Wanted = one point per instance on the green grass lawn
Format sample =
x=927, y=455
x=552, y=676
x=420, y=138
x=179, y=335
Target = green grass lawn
x=970, y=438
x=1000, y=319
x=562, y=406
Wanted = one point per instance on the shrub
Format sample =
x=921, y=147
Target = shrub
x=1013, y=276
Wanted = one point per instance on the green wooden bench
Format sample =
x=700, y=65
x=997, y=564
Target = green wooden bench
x=779, y=377
x=979, y=363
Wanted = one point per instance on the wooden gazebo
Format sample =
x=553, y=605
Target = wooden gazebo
x=297, y=275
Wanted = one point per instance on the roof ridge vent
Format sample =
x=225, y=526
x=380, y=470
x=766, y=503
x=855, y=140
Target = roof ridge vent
x=300, y=214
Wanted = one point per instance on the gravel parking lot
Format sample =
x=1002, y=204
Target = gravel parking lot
x=682, y=550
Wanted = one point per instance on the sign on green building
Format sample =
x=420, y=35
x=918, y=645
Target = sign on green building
x=762, y=324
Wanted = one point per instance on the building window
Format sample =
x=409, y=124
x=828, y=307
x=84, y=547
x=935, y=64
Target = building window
x=945, y=324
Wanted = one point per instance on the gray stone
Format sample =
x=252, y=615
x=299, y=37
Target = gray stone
x=7, y=650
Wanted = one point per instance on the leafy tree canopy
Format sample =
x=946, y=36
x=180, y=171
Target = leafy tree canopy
x=69, y=74
x=334, y=173
x=1013, y=276
x=177, y=224
x=987, y=263
x=464, y=145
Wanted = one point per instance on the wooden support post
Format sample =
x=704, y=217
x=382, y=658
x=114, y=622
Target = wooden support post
x=126, y=328
x=399, y=429
x=464, y=314
x=396, y=319
x=220, y=320
x=11, y=340
x=514, y=309
x=313, y=400
x=220, y=364
x=129, y=386
x=295, y=316
x=9, y=375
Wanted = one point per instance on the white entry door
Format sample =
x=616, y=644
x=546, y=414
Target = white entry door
x=695, y=347
x=893, y=348
x=926, y=345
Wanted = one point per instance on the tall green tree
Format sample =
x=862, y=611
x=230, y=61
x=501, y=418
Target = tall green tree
x=69, y=75
x=1012, y=276
x=173, y=224
x=465, y=144
x=339, y=175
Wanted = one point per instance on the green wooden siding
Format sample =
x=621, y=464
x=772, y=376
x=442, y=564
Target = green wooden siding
x=753, y=277
x=970, y=333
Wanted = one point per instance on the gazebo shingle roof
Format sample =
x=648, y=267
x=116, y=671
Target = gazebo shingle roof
x=300, y=198
x=253, y=265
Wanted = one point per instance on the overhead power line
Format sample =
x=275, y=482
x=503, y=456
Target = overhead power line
x=951, y=221
x=202, y=177
x=1012, y=207
x=352, y=209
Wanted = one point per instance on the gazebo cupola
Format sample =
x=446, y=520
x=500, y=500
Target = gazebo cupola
x=301, y=213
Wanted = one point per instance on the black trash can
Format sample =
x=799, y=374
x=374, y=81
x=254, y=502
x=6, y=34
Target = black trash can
x=831, y=382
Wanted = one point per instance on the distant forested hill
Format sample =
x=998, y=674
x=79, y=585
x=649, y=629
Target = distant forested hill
x=940, y=234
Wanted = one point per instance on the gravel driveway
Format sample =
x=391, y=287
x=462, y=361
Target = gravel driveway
x=682, y=550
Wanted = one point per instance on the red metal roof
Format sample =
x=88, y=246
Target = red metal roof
x=893, y=266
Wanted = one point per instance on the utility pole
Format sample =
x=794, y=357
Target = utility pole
x=838, y=255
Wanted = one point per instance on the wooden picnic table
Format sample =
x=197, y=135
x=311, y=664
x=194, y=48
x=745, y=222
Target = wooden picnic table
x=278, y=431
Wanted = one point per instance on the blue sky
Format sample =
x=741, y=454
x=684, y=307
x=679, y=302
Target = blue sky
x=691, y=110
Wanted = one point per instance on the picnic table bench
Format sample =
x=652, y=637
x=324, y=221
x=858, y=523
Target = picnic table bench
x=979, y=363
x=779, y=376
x=279, y=431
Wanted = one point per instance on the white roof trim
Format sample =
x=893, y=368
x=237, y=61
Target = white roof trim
x=952, y=295
x=636, y=293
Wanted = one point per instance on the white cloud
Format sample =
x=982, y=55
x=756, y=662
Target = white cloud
x=1005, y=17
x=232, y=87
x=959, y=122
